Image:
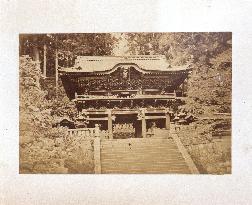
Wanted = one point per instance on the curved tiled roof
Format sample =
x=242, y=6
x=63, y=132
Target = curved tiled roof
x=107, y=63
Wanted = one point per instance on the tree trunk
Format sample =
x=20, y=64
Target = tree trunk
x=35, y=50
x=35, y=53
x=44, y=63
x=56, y=69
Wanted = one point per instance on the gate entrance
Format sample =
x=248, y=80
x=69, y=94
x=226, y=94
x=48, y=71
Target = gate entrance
x=125, y=126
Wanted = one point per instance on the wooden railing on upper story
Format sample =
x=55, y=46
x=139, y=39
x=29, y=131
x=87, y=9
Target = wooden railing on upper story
x=136, y=97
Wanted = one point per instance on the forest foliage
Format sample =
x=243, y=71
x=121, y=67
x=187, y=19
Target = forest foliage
x=69, y=46
x=210, y=56
x=44, y=149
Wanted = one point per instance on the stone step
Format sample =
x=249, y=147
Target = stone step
x=175, y=170
x=146, y=165
x=139, y=148
x=139, y=142
x=161, y=169
x=146, y=172
x=144, y=149
x=147, y=141
x=143, y=165
x=138, y=145
x=135, y=158
x=147, y=151
x=132, y=147
x=142, y=156
x=148, y=169
x=149, y=163
x=154, y=141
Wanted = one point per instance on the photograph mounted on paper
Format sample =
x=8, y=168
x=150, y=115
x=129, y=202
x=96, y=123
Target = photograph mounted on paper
x=125, y=103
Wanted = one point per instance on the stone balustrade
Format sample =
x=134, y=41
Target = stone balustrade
x=85, y=132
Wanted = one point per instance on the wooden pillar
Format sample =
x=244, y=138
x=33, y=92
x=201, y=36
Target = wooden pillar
x=143, y=123
x=131, y=103
x=44, y=64
x=110, y=126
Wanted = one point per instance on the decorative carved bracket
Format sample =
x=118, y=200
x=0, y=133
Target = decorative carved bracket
x=113, y=117
x=141, y=114
x=167, y=111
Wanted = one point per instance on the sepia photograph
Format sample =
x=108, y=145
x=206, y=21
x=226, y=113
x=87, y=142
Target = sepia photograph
x=125, y=103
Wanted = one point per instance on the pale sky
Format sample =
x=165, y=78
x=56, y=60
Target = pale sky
x=121, y=48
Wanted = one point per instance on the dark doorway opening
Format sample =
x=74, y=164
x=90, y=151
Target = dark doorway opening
x=126, y=126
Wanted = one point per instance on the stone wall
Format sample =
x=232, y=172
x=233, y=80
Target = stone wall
x=212, y=156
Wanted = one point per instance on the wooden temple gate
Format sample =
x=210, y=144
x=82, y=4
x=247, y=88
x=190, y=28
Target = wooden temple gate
x=128, y=97
x=124, y=93
x=136, y=118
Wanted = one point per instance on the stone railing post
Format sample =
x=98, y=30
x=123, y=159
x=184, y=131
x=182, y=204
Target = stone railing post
x=97, y=130
x=97, y=150
x=167, y=119
x=110, y=124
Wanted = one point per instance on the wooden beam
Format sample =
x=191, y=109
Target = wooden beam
x=142, y=97
x=154, y=117
x=96, y=118
x=96, y=112
x=155, y=111
x=124, y=91
x=124, y=112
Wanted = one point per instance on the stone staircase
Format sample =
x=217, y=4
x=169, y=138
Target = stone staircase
x=143, y=155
